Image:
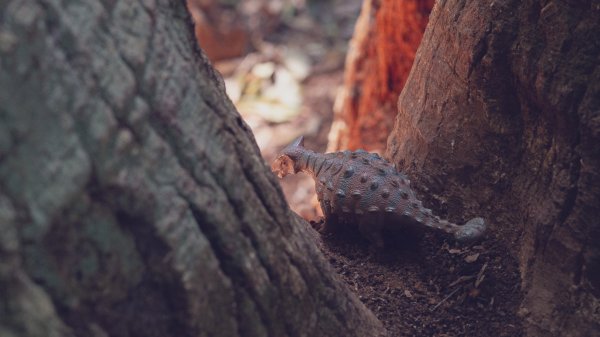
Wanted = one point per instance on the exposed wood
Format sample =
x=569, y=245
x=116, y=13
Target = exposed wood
x=381, y=54
x=133, y=199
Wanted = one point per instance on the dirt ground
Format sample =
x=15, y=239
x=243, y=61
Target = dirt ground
x=430, y=286
x=423, y=285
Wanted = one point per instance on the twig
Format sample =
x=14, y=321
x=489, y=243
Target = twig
x=445, y=299
x=461, y=280
x=481, y=275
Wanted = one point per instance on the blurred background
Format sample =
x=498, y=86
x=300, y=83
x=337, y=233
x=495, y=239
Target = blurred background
x=283, y=63
x=329, y=70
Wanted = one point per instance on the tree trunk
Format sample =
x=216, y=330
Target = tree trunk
x=133, y=199
x=501, y=111
x=382, y=51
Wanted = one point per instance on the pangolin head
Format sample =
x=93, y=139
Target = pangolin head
x=286, y=161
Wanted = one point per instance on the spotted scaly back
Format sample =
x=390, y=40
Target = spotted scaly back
x=359, y=185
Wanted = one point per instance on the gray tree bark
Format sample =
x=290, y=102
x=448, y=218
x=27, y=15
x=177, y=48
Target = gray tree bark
x=133, y=199
x=501, y=114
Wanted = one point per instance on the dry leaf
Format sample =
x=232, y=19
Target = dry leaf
x=264, y=70
x=297, y=63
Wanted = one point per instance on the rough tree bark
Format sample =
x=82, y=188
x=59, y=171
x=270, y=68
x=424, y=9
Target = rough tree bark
x=502, y=110
x=133, y=199
x=382, y=51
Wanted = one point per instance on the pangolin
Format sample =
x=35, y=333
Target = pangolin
x=362, y=188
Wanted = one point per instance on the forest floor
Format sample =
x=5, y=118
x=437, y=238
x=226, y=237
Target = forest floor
x=430, y=286
x=417, y=286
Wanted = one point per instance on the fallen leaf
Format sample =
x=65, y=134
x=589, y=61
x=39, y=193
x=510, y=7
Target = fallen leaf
x=297, y=63
x=264, y=70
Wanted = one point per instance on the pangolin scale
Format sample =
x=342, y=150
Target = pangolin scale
x=365, y=189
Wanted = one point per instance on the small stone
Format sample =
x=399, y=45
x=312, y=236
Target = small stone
x=389, y=209
x=373, y=209
x=385, y=194
x=363, y=178
x=471, y=258
x=374, y=185
x=404, y=195
x=356, y=194
x=340, y=194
